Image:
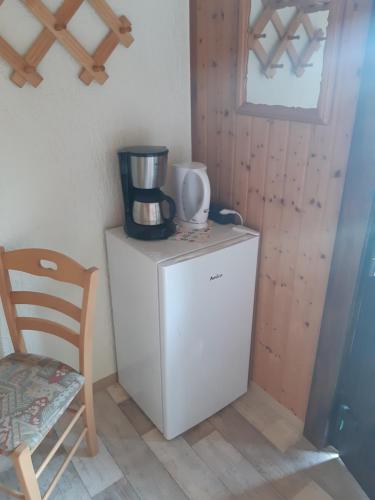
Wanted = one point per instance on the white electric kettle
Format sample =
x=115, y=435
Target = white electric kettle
x=192, y=194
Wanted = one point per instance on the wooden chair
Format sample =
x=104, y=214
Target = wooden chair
x=36, y=391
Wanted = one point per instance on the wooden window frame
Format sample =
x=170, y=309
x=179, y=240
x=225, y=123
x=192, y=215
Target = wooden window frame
x=322, y=113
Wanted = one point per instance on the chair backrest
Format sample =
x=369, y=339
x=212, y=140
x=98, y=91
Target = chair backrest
x=47, y=263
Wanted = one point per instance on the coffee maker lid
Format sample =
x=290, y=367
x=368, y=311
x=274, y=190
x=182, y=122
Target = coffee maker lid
x=145, y=151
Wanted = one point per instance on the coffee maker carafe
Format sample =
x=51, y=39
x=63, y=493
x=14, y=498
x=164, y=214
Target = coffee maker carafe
x=143, y=173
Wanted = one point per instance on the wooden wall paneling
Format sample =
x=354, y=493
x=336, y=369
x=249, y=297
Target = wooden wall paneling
x=271, y=375
x=213, y=94
x=287, y=179
x=270, y=249
x=225, y=64
x=303, y=331
x=199, y=83
x=242, y=165
x=258, y=167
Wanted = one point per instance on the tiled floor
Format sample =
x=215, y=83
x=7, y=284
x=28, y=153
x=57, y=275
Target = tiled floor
x=252, y=449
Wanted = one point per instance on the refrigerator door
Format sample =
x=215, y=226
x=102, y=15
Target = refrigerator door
x=206, y=310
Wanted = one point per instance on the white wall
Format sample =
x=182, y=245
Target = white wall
x=59, y=180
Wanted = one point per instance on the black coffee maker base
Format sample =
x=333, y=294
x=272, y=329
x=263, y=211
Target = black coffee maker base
x=150, y=233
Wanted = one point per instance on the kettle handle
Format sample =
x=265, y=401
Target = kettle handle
x=172, y=208
x=203, y=177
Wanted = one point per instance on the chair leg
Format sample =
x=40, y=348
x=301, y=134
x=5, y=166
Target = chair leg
x=89, y=418
x=24, y=468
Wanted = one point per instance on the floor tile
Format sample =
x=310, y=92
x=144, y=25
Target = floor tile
x=198, y=432
x=142, y=469
x=136, y=416
x=282, y=434
x=279, y=469
x=312, y=492
x=117, y=393
x=194, y=477
x=119, y=491
x=97, y=473
x=70, y=485
x=334, y=478
x=276, y=423
x=238, y=475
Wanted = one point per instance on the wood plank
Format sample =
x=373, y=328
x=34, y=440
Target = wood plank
x=140, y=466
x=271, y=343
x=113, y=22
x=119, y=491
x=306, y=278
x=97, y=473
x=270, y=252
x=117, y=393
x=283, y=44
x=45, y=40
x=70, y=485
x=238, y=475
x=46, y=263
x=280, y=470
x=9, y=309
x=71, y=44
x=258, y=168
x=104, y=51
x=242, y=165
x=199, y=41
x=259, y=408
x=312, y=492
x=226, y=88
x=140, y=421
x=194, y=477
x=198, y=432
x=19, y=64
x=279, y=27
x=212, y=12
x=71, y=422
x=49, y=301
x=47, y=326
x=292, y=221
x=335, y=479
x=64, y=465
x=105, y=382
x=281, y=427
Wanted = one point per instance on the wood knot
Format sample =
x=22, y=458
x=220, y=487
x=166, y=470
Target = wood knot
x=125, y=29
x=29, y=69
x=98, y=68
x=60, y=26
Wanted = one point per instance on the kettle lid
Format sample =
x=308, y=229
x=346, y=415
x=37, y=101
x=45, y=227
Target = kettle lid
x=192, y=165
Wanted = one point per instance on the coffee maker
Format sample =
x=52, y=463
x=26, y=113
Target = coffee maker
x=143, y=173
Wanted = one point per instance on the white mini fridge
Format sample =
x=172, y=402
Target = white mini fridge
x=183, y=316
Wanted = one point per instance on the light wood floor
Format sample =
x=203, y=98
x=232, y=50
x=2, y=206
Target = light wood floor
x=252, y=449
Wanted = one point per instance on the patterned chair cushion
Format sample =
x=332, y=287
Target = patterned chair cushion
x=34, y=392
